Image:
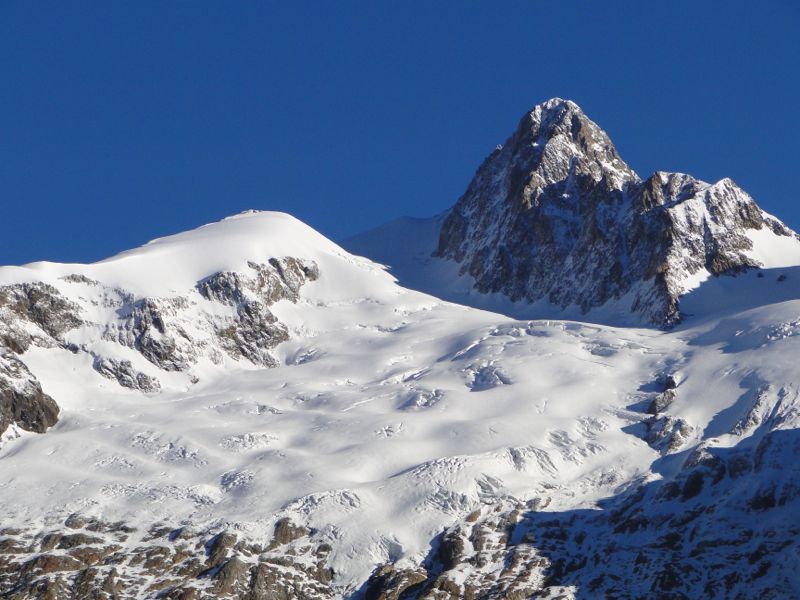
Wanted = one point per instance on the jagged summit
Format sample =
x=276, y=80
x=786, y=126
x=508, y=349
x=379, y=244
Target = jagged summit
x=555, y=216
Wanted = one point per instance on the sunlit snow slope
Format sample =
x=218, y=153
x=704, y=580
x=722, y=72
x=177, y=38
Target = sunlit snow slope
x=192, y=454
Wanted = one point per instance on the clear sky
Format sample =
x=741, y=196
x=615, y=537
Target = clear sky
x=125, y=121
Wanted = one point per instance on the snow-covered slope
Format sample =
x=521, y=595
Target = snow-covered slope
x=377, y=441
x=555, y=224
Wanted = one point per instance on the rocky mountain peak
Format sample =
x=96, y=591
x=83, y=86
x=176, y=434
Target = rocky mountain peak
x=556, y=140
x=555, y=216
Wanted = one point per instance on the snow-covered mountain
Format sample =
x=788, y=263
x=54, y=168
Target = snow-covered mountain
x=554, y=222
x=247, y=410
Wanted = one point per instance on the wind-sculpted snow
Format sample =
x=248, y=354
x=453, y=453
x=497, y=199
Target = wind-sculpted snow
x=317, y=431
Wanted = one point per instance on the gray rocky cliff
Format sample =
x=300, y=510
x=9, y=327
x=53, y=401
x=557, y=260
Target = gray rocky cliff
x=22, y=401
x=31, y=314
x=556, y=215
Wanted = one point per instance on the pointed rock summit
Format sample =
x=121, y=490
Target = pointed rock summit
x=556, y=216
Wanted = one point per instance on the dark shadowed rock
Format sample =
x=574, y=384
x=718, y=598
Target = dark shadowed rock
x=22, y=400
x=232, y=579
x=218, y=547
x=286, y=532
x=388, y=583
x=37, y=304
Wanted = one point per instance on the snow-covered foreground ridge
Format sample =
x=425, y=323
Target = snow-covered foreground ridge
x=373, y=425
x=247, y=410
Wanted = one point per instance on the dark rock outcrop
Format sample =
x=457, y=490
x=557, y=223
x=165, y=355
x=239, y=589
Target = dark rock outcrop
x=22, y=401
x=123, y=372
x=30, y=314
x=85, y=560
x=286, y=532
x=38, y=305
x=388, y=583
x=255, y=329
x=164, y=330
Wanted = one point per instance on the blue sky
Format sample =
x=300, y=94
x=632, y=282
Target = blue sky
x=125, y=121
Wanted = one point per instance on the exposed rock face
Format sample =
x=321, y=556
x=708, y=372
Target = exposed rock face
x=280, y=279
x=21, y=398
x=226, y=314
x=34, y=313
x=31, y=314
x=125, y=374
x=388, y=583
x=174, y=333
x=556, y=215
x=154, y=328
x=254, y=330
x=286, y=532
x=162, y=562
